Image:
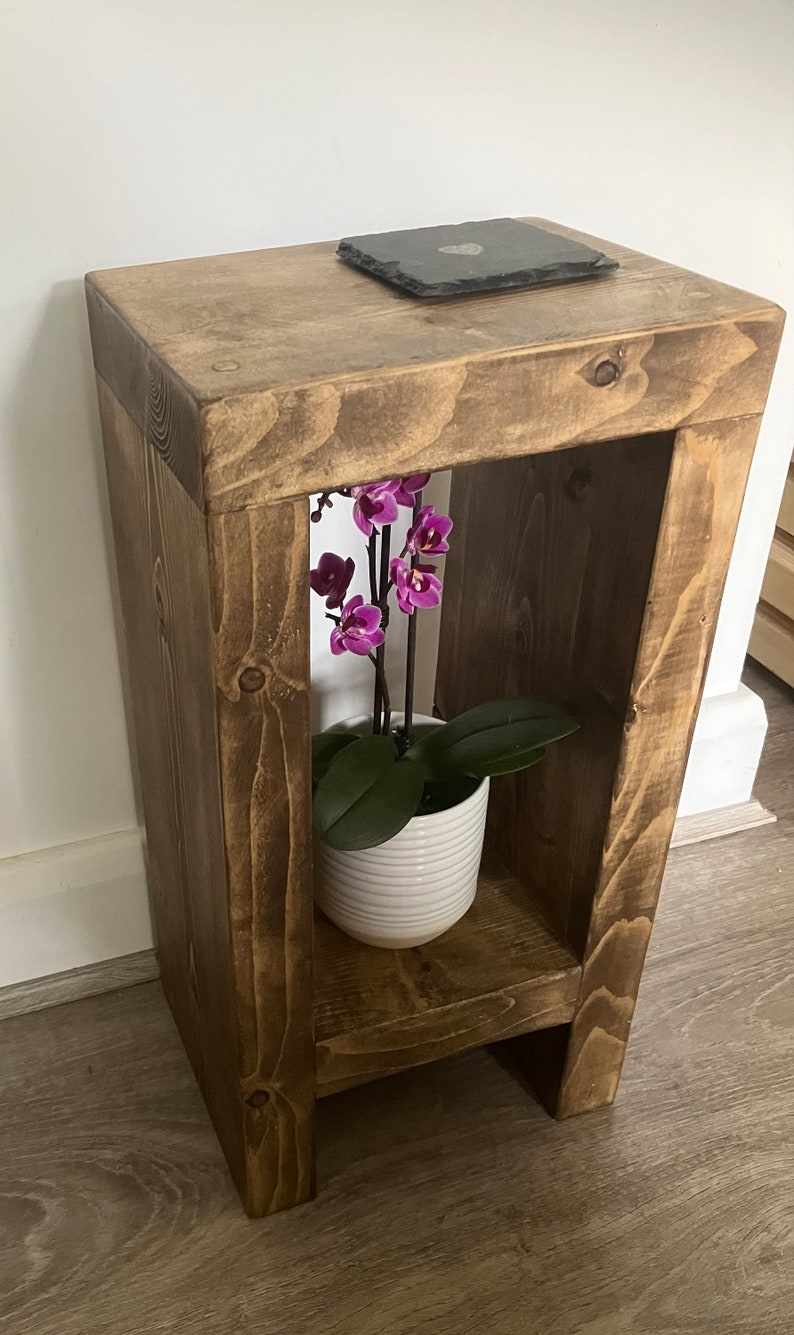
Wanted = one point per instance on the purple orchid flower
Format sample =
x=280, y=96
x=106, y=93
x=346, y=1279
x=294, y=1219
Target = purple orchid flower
x=417, y=587
x=359, y=629
x=428, y=534
x=374, y=505
x=331, y=578
x=407, y=487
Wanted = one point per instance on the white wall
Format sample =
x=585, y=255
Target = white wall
x=135, y=130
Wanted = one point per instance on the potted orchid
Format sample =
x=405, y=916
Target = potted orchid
x=400, y=799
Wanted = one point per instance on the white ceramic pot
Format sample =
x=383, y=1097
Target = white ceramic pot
x=414, y=887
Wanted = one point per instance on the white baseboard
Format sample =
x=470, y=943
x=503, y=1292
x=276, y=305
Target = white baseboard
x=64, y=910
x=726, y=751
x=68, y=907
x=37, y=994
x=704, y=825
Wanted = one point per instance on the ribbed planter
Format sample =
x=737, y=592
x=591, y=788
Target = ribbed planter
x=415, y=886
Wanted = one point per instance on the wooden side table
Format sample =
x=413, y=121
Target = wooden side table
x=600, y=436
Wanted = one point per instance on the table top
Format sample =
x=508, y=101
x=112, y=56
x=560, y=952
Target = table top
x=237, y=324
x=276, y=374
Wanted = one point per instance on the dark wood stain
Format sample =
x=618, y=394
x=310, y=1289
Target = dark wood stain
x=161, y=554
x=259, y=589
x=499, y=971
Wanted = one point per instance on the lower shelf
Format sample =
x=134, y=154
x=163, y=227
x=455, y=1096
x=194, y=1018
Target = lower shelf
x=498, y=973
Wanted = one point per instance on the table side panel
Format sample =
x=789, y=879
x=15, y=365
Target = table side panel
x=161, y=555
x=707, y=482
x=545, y=593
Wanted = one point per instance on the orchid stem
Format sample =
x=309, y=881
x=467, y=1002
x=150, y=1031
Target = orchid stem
x=373, y=579
x=410, y=656
x=385, y=548
x=377, y=700
x=379, y=592
x=382, y=690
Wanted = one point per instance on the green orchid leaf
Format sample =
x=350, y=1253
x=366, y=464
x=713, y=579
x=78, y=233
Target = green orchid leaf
x=326, y=745
x=510, y=763
x=496, y=738
x=367, y=795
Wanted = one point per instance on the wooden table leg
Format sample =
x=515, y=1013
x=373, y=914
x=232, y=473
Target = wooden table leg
x=707, y=481
x=216, y=622
x=259, y=582
x=594, y=575
x=577, y=1067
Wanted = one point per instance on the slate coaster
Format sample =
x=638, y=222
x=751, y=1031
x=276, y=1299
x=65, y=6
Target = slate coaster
x=472, y=257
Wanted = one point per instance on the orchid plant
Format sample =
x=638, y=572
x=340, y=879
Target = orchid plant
x=367, y=788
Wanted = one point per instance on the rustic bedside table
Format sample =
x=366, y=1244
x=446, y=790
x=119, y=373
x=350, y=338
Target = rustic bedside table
x=600, y=436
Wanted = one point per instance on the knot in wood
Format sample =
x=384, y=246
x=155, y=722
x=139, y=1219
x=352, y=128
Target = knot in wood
x=577, y=480
x=251, y=679
x=606, y=373
x=258, y=1099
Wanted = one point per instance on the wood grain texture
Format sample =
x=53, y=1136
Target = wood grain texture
x=260, y=594
x=222, y=799
x=155, y=398
x=296, y=363
x=772, y=642
x=772, y=639
x=785, y=519
x=432, y=416
x=777, y=589
x=449, y=1202
x=274, y=316
x=560, y=599
x=704, y=495
x=248, y=381
x=161, y=555
x=602, y=592
x=499, y=971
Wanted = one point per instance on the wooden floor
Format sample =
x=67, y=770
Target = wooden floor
x=449, y=1202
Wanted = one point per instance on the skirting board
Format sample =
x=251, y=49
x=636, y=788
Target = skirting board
x=39, y=993
x=142, y=966
x=72, y=906
x=714, y=824
x=725, y=754
x=79, y=914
